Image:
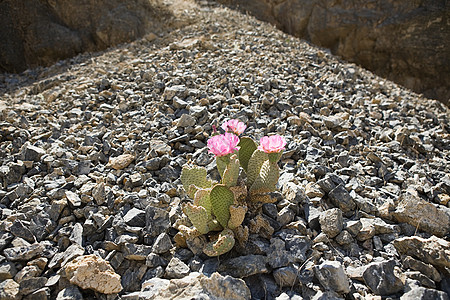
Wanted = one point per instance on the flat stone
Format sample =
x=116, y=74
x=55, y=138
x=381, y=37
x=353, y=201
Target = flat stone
x=32, y=284
x=73, y=198
x=426, y=216
x=24, y=252
x=120, y=162
x=427, y=269
x=245, y=266
x=9, y=289
x=136, y=251
x=434, y=250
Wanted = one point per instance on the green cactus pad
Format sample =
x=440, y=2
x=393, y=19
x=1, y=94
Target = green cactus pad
x=198, y=216
x=222, y=162
x=221, y=199
x=237, y=215
x=275, y=157
x=223, y=244
x=201, y=198
x=231, y=173
x=247, y=147
x=196, y=177
x=254, y=166
x=267, y=179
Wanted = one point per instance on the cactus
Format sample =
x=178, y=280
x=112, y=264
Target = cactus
x=221, y=199
x=247, y=147
x=231, y=172
x=223, y=206
x=223, y=244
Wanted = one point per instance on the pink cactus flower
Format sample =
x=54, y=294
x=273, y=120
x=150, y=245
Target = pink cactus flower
x=223, y=144
x=272, y=144
x=235, y=126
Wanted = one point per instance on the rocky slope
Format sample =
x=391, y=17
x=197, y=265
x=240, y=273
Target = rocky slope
x=92, y=149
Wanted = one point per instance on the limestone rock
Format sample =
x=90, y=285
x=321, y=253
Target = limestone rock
x=120, y=162
x=426, y=216
x=433, y=250
x=92, y=272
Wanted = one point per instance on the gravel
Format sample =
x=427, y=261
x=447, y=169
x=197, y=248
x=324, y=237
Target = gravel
x=92, y=149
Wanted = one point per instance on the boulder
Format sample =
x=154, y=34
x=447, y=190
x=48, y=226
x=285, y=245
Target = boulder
x=42, y=32
x=404, y=41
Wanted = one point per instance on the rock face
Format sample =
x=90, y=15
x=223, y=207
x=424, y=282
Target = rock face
x=42, y=32
x=92, y=272
x=404, y=41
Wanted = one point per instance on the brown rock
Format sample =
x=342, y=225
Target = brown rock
x=120, y=162
x=93, y=272
x=425, y=216
x=434, y=250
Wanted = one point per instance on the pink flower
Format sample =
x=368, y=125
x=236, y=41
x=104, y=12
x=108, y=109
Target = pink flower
x=272, y=144
x=234, y=126
x=223, y=144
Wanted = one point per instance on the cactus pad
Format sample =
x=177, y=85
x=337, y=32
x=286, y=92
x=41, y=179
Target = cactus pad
x=262, y=198
x=267, y=179
x=198, y=216
x=246, y=148
x=222, y=162
x=196, y=177
x=254, y=166
x=239, y=192
x=231, y=173
x=237, y=215
x=221, y=199
x=201, y=198
x=223, y=244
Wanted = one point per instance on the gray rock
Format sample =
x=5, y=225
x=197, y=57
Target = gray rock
x=7, y=270
x=277, y=254
x=61, y=258
x=70, y=293
x=136, y=251
x=135, y=217
x=73, y=198
x=154, y=260
x=20, y=230
x=5, y=239
x=176, y=269
x=31, y=153
x=244, y=266
x=426, y=269
x=99, y=193
x=421, y=293
x=285, y=277
x=131, y=279
x=24, y=252
x=381, y=278
x=77, y=234
x=186, y=121
x=332, y=277
x=162, y=244
x=43, y=293
x=341, y=198
x=29, y=285
x=157, y=220
x=331, y=222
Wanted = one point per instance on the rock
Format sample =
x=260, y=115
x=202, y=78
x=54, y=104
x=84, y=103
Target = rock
x=31, y=285
x=331, y=222
x=421, y=293
x=9, y=289
x=245, y=266
x=73, y=198
x=78, y=28
x=426, y=216
x=24, y=252
x=176, y=269
x=381, y=278
x=135, y=217
x=341, y=198
x=196, y=285
x=120, y=162
x=186, y=121
x=136, y=251
x=61, y=258
x=26, y=273
x=162, y=244
x=43, y=293
x=331, y=276
x=157, y=220
x=7, y=270
x=31, y=153
x=92, y=272
x=426, y=269
x=69, y=293
x=356, y=32
x=433, y=250
x=286, y=276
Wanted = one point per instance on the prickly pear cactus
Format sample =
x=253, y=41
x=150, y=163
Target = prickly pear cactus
x=221, y=199
x=254, y=166
x=237, y=215
x=223, y=244
x=267, y=179
x=198, y=216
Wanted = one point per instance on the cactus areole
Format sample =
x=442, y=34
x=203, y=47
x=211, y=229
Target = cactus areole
x=221, y=206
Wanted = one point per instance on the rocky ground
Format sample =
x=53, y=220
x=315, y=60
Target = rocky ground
x=92, y=150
